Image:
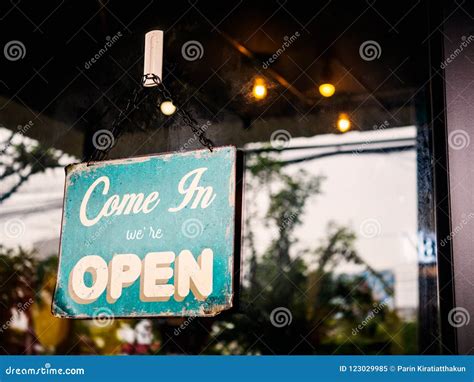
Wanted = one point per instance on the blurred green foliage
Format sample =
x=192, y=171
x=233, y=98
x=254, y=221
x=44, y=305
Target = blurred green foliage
x=325, y=307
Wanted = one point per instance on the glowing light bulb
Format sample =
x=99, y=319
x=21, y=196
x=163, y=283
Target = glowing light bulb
x=327, y=90
x=343, y=123
x=167, y=108
x=259, y=88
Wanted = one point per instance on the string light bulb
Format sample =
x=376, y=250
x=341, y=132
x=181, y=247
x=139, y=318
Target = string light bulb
x=167, y=108
x=259, y=90
x=343, y=123
x=327, y=89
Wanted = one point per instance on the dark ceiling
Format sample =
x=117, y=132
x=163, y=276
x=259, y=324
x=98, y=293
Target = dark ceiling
x=60, y=38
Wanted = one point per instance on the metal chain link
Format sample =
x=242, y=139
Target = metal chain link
x=133, y=104
x=185, y=116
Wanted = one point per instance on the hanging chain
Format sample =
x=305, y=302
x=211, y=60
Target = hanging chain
x=185, y=116
x=133, y=104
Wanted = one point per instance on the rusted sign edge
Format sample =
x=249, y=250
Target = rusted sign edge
x=238, y=237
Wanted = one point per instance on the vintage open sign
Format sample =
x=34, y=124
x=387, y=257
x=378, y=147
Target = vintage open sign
x=150, y=236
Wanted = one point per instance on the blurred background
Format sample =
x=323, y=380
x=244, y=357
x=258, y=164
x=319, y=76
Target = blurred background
x=327, y=99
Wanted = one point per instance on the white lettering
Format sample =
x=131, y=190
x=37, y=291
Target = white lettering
x=193, y=275
x=203, y=195
x=154, y=272
x=82, y=212
x=114, y=205
x=78, y=290
x=123, y=271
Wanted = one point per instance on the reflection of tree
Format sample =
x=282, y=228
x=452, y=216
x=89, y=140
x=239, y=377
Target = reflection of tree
x=18, y=275
x=324, y=307
x=24, y=161
x=25, y=295
x=27, y=287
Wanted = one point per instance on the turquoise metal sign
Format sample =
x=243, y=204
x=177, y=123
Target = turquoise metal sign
x=149, y=236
